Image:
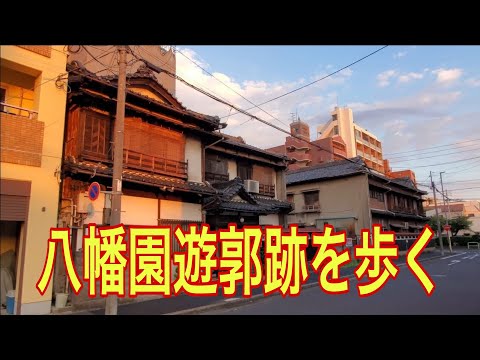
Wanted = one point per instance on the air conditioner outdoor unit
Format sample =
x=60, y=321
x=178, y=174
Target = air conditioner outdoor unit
x=252, y=186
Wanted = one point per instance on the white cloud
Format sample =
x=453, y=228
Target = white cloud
x=447, y=76
x=399, y=54
x=309, y=101
x=383, y=79
x=409, y=77
x=473, y=82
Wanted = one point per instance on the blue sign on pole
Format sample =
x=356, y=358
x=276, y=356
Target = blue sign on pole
x=94, y=191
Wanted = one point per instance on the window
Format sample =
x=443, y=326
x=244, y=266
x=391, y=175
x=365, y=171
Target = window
x=376, y=195
x=334, y=117
x=244, y=171
x=311, y=198
x=335, y=130
x=2, y=98
x=96, y=139
x=216, y=168
x=290, y=198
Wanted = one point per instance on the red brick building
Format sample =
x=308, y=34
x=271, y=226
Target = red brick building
x=305, y=154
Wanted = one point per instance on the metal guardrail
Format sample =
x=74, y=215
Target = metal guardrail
x=32, y=114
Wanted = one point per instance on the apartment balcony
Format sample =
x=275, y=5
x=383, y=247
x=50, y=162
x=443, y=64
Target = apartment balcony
x=299, y=156
x=21, y=137
x=18, y=111
x=296, y=144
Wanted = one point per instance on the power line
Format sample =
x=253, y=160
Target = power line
x=477, y=163
x=31, y=152
x=432, y=147
x=59, y=76
x=98, y=61
x=168, y=66
x=158, y=69
x=428, y=157
x=236, y=92
x=445, y=163
x=106, y=68
x=314, y=82
x=469, y=188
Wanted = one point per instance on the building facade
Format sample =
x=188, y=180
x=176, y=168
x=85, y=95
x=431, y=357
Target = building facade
x=350, y=197
x=178, y=168
x=304, y=154
x=470, y=209
x=358, y=141
x=33, y=87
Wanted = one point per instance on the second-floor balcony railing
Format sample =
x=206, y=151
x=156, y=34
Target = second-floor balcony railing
x=214, y=177
x=267, y=190
x=136, y=160
x=6, y=108
x=403, y=209
x=312, y=208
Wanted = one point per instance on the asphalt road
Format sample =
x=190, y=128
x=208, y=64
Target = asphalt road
x=457, y=292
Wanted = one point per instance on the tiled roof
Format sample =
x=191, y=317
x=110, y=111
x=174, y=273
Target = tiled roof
x=329, y=170
x=111, y=80
x=161, y=181
x=224, y=200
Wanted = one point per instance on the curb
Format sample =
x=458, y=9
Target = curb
x=255, y=298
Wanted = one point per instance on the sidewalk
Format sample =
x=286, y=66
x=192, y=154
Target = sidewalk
x=184, y=304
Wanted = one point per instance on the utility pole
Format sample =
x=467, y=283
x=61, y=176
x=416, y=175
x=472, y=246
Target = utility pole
x=448, y=214
x=436, y=213
x=112, y=300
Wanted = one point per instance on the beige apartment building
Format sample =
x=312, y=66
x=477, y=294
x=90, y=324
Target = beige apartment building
x=359, y=141
x=33, y=89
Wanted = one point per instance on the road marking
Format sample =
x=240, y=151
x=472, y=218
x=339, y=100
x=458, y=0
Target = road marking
x=453, y=255
x=454, y=262
x=466, y=257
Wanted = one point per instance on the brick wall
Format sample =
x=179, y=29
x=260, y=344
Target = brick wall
x=39, y=49
x=21, y=140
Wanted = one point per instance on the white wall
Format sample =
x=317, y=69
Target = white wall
x=181, y=211
x=271, y=219
x=135, y=211
x=232, y=169
x=193, y=153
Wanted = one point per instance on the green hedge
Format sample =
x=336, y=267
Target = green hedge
x=458, y=240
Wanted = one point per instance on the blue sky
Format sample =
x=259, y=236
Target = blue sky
x=422, y=102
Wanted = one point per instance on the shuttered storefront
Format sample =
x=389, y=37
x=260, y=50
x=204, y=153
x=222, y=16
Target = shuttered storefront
x=14, y=200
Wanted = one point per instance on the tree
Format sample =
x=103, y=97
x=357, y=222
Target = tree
x=432, y=222
x=459, y=223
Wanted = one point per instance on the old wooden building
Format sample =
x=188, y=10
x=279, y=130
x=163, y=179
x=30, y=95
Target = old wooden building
x=178, y=168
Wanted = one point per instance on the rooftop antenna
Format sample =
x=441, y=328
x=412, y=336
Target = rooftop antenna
x=292, y=117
